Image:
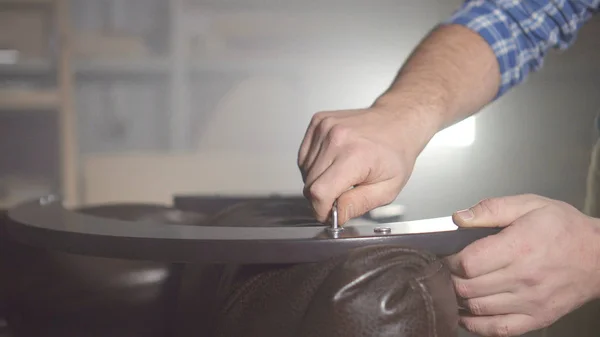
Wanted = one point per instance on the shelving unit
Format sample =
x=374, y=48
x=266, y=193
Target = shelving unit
x=58, y=98
x=26, y=2
x=26, y=99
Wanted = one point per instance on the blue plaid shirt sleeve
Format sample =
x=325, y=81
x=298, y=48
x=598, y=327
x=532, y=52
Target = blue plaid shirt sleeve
x=521, y=32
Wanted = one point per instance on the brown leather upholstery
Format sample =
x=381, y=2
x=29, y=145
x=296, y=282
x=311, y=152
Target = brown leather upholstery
x=4, y=331
x=373, y=291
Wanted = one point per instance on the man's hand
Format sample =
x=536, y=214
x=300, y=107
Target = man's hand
x=362, y=158
x=542, y=266
x=448, y=77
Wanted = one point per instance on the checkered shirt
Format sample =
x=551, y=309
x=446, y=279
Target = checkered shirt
x=522, y=31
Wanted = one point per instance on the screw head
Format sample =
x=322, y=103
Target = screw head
x=382, y=230
x=334, y=232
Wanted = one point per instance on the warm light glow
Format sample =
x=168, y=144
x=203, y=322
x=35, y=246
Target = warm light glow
x=461, y=134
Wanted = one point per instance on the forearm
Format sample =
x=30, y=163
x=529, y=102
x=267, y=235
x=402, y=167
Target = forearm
x=486, y=48
x=451, y=75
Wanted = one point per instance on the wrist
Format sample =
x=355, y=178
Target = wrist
x=595, y=259
x=417, y=121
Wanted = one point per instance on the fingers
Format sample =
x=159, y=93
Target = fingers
x=329, y=186
x=363, y=198
x=319, y=130
x=497, y=282
x=498, y=304
x=498, y=326
x=499, y=212
x=485, y=256
x=307, y=142
x=327, y=144
x=496, y=251
x=331, y=148
x=352, y=188
x=326, y=156
x=316, y=149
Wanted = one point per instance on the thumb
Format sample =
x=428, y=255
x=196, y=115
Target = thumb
x=363, y=198
x=499, y=212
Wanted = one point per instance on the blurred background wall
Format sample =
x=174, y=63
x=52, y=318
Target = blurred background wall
x=214, y=96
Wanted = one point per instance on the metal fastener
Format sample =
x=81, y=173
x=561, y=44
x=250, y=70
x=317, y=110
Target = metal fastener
x=335, y=228
x=334, y=232
x=382, y=230
x=334, y=216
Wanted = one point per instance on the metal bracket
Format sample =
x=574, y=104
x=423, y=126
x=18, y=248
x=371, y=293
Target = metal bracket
x=47, y=224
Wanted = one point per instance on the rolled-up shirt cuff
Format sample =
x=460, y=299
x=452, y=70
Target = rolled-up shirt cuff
x=493, y=25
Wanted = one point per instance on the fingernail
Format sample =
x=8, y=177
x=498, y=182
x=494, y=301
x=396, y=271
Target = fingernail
x=466, y=214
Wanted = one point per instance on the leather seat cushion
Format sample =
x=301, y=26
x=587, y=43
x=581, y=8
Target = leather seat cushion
x=373, y=291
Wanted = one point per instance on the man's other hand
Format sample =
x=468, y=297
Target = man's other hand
x=362, y=158
x=543, y=265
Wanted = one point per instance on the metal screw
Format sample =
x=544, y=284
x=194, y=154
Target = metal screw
x=334, y=232
x=382, y=230
x=334, y=216
x=335, y=228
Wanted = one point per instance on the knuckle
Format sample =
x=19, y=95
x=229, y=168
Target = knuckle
x=537, y=301
x=361, y=155
x=490, y=206
x=537, y=198
x=317, y=118
x=319, y=212
x=470, y=326
x=462, y=289
x=465, y=265
x=327, y=123
x=564, y=204
x=524, y=249
x=476, y=307
x=306, y=192
x=530, y=278
x=562, y=208
x=300, y=162
x=316, y=192
x=502, y=330
x=339, y=134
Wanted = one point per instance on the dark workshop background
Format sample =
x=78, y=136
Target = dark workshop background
x=138, y=100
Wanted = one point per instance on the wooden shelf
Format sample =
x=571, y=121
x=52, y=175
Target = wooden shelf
x=27, y=68
x=122, y=67
x=26, y=2
x=89, y=68
x=22, y=99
